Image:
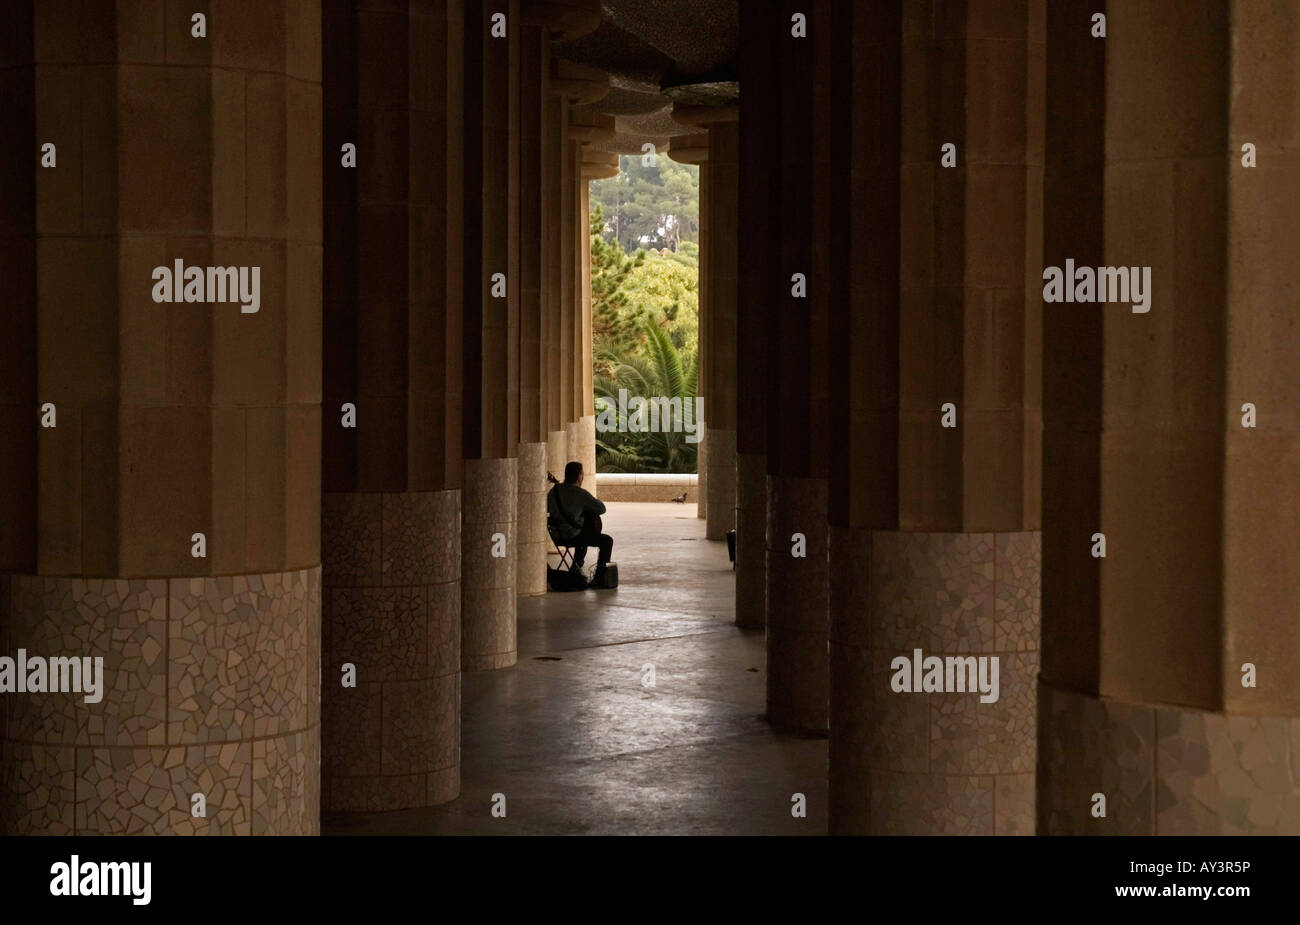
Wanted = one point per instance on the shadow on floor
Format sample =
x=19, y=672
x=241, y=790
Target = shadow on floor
x=578, y=741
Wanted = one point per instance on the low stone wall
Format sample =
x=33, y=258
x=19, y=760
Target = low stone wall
x=618, y=486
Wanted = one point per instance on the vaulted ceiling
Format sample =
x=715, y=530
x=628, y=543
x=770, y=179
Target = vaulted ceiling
x=657, y=54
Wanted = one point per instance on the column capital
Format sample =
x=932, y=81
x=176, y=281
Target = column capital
x=693, y=115
x=590, y=127
x=577, y=83
x=598, y=165
x=689, y=149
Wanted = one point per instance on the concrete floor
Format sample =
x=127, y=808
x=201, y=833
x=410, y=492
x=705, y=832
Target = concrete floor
x=578, y=745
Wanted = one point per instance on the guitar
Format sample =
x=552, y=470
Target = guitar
x=593, y=519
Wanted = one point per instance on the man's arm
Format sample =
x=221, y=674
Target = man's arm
x=591, y=504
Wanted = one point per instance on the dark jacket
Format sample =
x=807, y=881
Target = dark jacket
x=567, y=508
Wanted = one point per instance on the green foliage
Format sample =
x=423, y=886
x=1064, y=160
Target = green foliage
x=614, y=321
x=660, y=371
x=666, y=293
x=652, y=206
x=645, y=304
x=688, y=255
x=629, y=291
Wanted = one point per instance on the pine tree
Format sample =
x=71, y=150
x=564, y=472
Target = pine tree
x=614, y=325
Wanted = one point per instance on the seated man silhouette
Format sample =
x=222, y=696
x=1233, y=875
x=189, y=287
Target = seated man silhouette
x=573, y=516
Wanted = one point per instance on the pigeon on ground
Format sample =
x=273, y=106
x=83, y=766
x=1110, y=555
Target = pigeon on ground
x=681, y=499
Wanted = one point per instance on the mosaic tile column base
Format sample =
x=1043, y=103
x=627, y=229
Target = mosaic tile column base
x=721, y=484
x=587, y=453
x=211, y=686
x=488, y=581
x=751, y=541
x=797, y=606
x=531, y=575
x=556, y=446
x=1163, y=770
x=392, y=611
x=943, y=762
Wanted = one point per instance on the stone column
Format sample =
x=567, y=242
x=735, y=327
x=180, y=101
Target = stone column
x=163, y=513
x=700, y=157
x=582, y=432
x=574, y=224
x=1171, y=667
x=552, y=321
x=597, y=164
x=586, y=400
x=491, y=338
x=935, y=508
x=532, y=543
x=760, y=284
x=723, y=282
x=694, y=149
x=797, y=400
x=576, y=85
x=391, y=514
x=569, y=158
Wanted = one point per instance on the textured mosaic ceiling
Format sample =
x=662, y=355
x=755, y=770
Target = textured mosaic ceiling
x=657, y=53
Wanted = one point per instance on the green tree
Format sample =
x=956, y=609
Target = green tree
x=614, y=321
x=665, y=292
x=688, y=255
x=662, y=371
x=650, y=205
x=628, y=291
x=645, y=307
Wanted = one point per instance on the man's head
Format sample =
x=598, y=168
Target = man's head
x=573, y=473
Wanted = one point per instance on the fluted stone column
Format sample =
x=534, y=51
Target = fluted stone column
x=568, y=84
x=935, y=536
x=491, y=339
x=552, y=297
x=580, y=428
x=590, y=129
x=694, y=149
x=798, y=400
x=1171, y=667
x=700, y=157
x=573, y=225
x=566, y=212
x=530, y=577
x=577, y=402
x=760, y=283
x=586, y=403
x=723, y=192
x=391, y=515
x=596, y=165
x=719, y=285
x=166, y=419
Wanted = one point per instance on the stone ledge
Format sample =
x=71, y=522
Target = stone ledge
x=628, y=486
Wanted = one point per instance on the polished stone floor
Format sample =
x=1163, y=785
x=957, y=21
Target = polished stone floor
x=579, y=745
